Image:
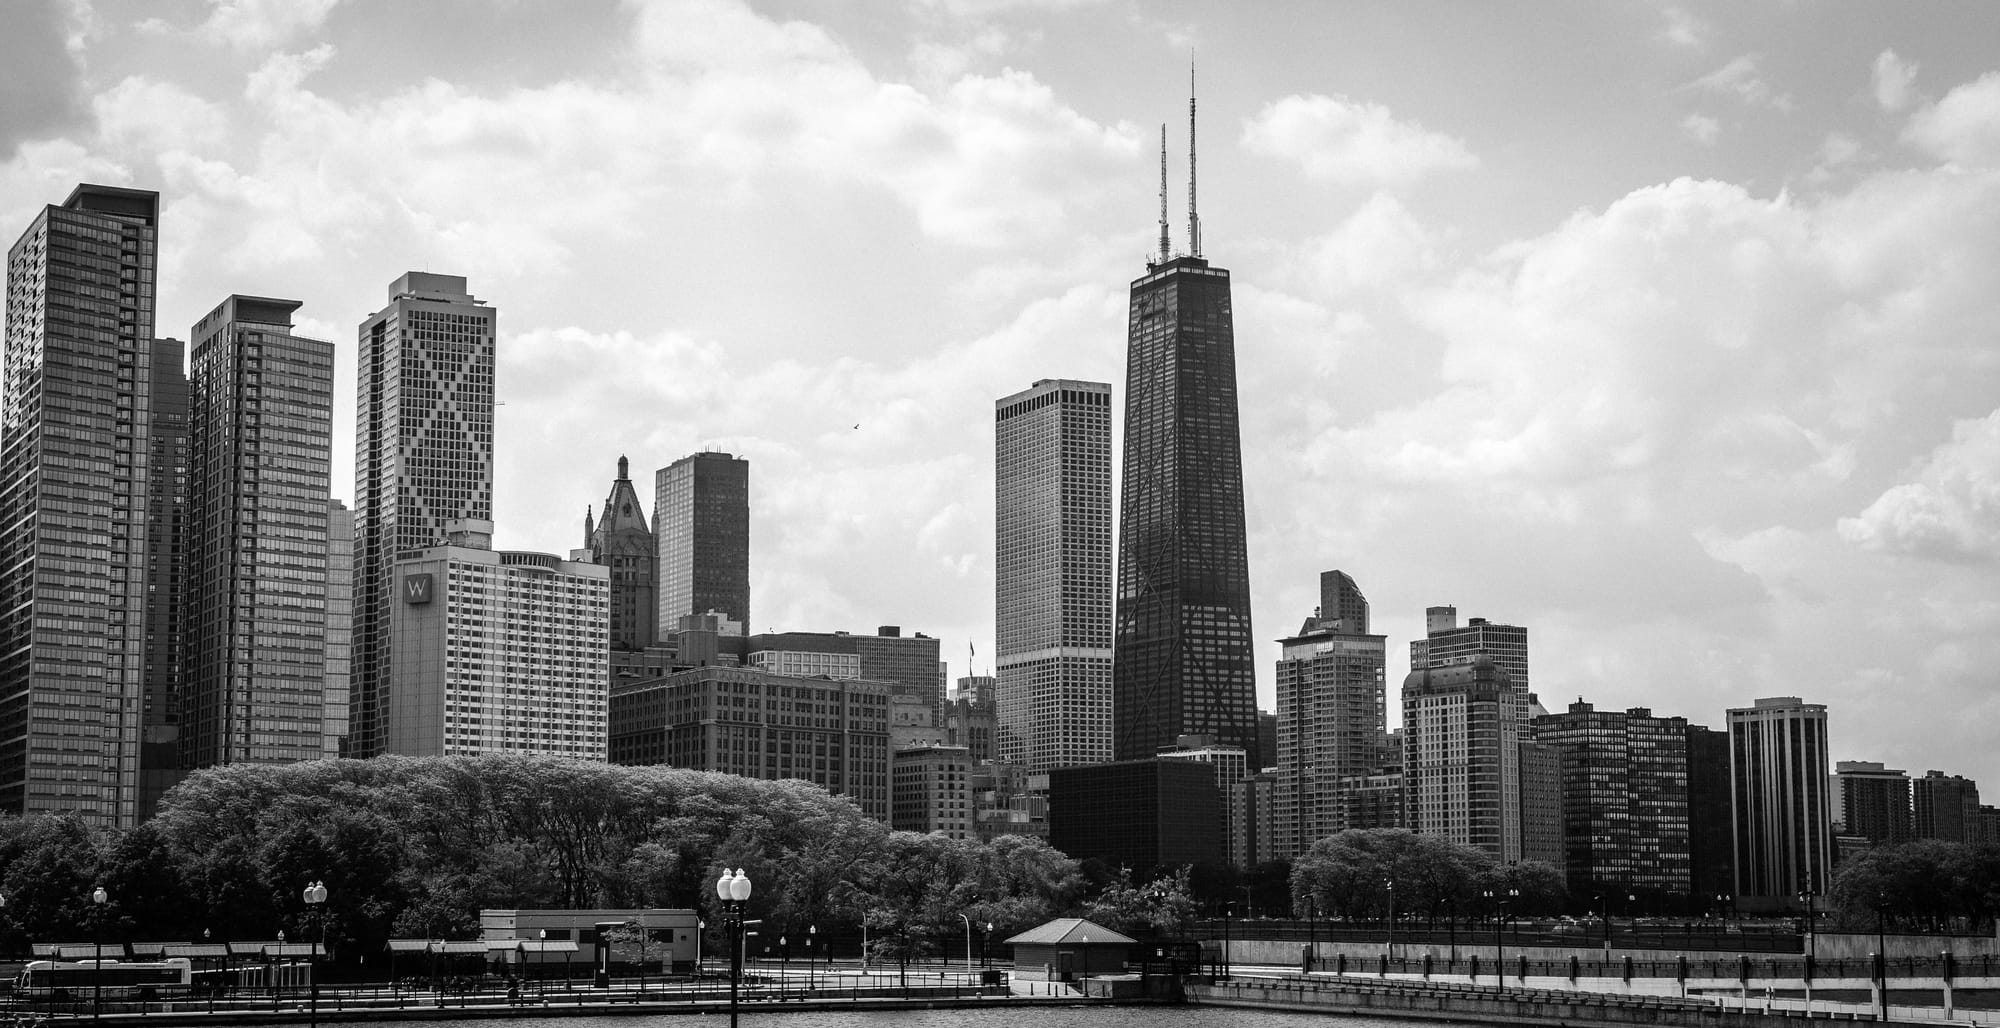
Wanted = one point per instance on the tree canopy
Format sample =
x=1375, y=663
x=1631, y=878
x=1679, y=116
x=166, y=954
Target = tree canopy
x=1363, y=872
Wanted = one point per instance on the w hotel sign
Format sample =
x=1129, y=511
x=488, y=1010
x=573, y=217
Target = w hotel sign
x=419, y=588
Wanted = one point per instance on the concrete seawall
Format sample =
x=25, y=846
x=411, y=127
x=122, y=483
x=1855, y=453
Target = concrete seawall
x=1462, y=1003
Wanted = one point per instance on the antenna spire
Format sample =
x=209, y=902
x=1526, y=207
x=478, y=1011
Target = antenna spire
x=1166, y=244
x=1194, y=219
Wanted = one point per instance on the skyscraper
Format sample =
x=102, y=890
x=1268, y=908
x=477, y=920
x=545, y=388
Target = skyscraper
x=1052, y=581
x=75, y=464
x=1462, y=756
x=339, y=627
x=622, y=542
x=1778, y=784
x=1332, y=713
x=166, y=576
x=1872, y=801
x=701, y=524
x=1448, y=642
x=261, y=429
x=1624, y=800
x=1945, y=807
x=1182, y=661
x=423, y=455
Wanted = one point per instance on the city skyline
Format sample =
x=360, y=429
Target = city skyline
x=1664, y=336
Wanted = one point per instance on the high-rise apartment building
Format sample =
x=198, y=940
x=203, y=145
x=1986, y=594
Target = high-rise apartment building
x=76, y=430
x=497, y=651
x=1182, y=661
x=622, y=542
x=1711, y=820
x=701, y=525
x=1872, y=801
x=1332, y=713
x=339, y=626
x=1945, y=807
x=423, y=457
x=1624, y=800
x=166, y=576
x=1462, y=755
x=1778, y=783
x=260, y=438
x=1052, y=581
x=1448, y=642
x=930, y=791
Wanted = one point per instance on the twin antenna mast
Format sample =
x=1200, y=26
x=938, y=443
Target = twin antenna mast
x=1194, y=218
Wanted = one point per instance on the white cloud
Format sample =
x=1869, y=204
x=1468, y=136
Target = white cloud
x=1964, y=126
x=262, y=24
x=1743, y=79
x=1895, y=81
x=1701, y=128
x=1684, y=29
x=1952, y=507
x=1379, y=244
x=1350, y=141
x=144, y=116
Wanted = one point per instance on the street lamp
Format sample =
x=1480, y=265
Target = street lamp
x=985, y=943
x=734, y=891
x=315, y=897
x=1882, y=952
x=968, y=940
x=1500, y=899
x=812, y=967
x=1389, y=950
x=99, y=898
x=1806, y=897
x=278, y=978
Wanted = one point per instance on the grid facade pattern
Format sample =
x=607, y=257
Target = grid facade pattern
x=1141, y=814
x=508, y=656
x=740, y=721
x=339, y=626
x=623, y=543
x=1945, y=807
x=75, y=464
x=1182, y=661
x=1874, y=801
x=423, y=456
x=1506, y=644
x=1332, y=711
x=261, y=433
x=1783, y=817
x=1052, y=586
x=166, y=575
x=1462, y=756
x=1625, y=798
x=930, y=791
x=701, y=524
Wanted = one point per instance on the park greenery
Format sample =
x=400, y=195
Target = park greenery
x=1361, y=873
x=416, y=847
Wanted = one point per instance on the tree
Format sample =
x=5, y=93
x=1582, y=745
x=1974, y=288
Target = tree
x=1162, y=907
x=1362, y=872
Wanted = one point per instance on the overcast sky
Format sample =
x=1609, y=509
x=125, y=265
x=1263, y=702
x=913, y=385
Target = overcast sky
x=1668, y=332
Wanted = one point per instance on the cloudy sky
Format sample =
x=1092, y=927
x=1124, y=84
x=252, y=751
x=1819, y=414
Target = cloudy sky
x=1666, y=331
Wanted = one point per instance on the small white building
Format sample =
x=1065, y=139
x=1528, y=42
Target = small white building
x=574, y=937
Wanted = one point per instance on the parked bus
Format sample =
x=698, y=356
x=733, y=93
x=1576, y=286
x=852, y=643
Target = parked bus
x=75, y=979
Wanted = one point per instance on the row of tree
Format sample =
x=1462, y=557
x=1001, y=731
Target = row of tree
x=1369, y=873
x=416, y=847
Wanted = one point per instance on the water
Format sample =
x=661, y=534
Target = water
x=999, y=1015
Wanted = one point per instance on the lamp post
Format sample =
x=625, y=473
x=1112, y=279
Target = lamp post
x=1312, y=930
x=277, y=978
x=1500, y=898
x=1882, y=952
x=1806, y=897
x=812, y=967
x=985, y=943
x=968, y=940
x=1389, y=950
x=98, y=898
x=315, y=897
x=734, y=891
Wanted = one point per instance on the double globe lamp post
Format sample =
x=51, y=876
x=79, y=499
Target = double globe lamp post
x=733, y=889
x=315, y=898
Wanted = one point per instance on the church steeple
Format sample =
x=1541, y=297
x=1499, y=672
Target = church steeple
x=621, y=541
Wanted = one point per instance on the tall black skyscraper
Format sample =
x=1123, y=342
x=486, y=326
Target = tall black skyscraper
x=1182, y=661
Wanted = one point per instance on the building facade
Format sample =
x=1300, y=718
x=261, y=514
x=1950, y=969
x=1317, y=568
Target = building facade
x=701, y=525
x=76, y=428
x=1624, y=801
x=1782, y=815
x=1448, y=642
x=1462, y=756
x=1945, y=807
x=166, y=576
x=497, y=651
x=1141, y=814
x=622, y=542
x=930, y=791
x=339, y=627
x=423, y=457
x=1182, y=645
x=745, y=721
x=260, y=437
x=1872, y=801
x=1052, y=581
x=1332, y=713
